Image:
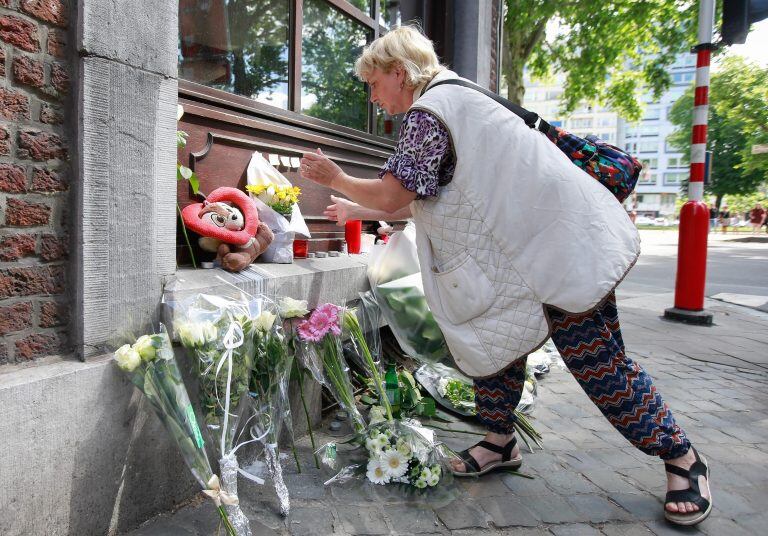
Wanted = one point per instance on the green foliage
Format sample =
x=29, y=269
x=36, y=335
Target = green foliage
x=331, y=43
x=612, y=52
x=738, y=115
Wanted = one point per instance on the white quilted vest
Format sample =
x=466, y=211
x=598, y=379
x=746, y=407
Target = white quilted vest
x=519, y=226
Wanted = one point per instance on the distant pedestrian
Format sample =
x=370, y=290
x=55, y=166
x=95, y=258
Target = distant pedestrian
x=725, y=218
x=712, y=217
x=757, y=218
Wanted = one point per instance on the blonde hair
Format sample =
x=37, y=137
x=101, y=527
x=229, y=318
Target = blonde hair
x=404, y=46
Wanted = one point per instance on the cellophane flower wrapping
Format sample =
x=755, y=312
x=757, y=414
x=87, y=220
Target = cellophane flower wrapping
x=217, y=332
x=399, y=452
x=151, y=366
x=321, y=352
x=269, y=394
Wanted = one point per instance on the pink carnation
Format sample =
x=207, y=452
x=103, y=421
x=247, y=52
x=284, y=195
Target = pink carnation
x=323, y=319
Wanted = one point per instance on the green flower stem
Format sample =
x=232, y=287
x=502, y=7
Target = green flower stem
x=351, y=323
x=186, y=237
x=306, y=413
x=225, y=520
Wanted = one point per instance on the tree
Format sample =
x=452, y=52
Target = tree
x=611, y=52
x=738, y=119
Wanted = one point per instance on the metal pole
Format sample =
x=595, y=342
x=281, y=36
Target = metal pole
x=694, y=216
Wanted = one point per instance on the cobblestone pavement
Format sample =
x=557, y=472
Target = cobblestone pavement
x=587, y=480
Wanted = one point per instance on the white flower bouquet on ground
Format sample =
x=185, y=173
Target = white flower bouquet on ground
x=152, y=368
x=218, y=334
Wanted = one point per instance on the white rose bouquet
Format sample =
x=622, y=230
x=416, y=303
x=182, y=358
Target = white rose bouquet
x=218, y=334
x=152, y=368
x=269, y=393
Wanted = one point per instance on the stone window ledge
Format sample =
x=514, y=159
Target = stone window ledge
x=336, y=280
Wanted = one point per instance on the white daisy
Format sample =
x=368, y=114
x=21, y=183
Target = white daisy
x=432, y=480
x=376, y=472
x=394, y=463
x=421, y=484
x=425, y=474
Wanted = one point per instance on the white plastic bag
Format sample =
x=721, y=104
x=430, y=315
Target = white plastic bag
x=261, y=172
x=395, y=259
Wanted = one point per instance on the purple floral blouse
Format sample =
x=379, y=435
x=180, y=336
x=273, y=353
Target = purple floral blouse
x=423, y=159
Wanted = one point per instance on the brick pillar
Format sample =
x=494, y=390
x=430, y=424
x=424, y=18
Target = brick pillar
x=35, y=137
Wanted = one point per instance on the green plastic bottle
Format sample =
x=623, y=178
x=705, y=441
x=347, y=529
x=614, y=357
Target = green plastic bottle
x=392, y=388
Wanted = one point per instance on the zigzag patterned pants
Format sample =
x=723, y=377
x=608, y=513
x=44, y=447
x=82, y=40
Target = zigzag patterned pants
x=593, y=350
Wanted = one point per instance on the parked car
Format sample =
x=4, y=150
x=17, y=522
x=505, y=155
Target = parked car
x=644, y=220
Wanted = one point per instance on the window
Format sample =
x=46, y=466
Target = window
x=263, y=51
x=331, y=41
x=648, y=131
x=606, y=121
x=648, y=147
x=650, y=163
x=584, y=122
x=652, y=113
x=677, y=162
x=674, y=179
x=631, y=147
x=682, y=78
x=646, y=177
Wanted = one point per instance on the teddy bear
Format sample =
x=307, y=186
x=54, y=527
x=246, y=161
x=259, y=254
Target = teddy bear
x=234, y=233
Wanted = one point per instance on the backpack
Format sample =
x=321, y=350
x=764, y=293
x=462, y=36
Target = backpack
x=615, y=169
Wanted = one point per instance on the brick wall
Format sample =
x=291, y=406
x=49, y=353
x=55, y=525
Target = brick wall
x=35, y=104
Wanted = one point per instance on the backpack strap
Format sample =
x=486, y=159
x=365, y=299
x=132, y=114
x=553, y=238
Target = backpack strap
x=530, y=118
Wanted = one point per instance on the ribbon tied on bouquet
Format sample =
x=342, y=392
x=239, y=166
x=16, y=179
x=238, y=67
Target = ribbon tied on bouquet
x=218, y=495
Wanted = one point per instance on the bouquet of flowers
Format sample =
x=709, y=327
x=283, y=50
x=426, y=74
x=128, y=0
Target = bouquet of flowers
x=396, y=452
x=320, y=336
x=152, y=368
x=269, y=394
x=278, y=203
x=403, y=452
x=279, y=198
x=217, y=333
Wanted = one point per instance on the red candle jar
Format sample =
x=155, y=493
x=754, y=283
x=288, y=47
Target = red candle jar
x=300, y=248
x=352, y=233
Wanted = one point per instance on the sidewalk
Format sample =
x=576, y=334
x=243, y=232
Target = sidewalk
x=588, y=480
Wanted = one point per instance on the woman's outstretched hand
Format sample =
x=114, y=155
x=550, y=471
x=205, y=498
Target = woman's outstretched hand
x=341, y=210
x=319, y=168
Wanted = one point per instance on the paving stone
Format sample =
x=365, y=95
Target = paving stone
x=663, y=528
x=616, y=458
x=640, y=506
x=609, y=481
x=487, y=486
x=552, y=508
x=305, y=486
x=647, y=478
x=509, y=512
x=577, y=529
x=525, y=532
x=265, y=513
x=412, y=519
x=525, y=486
x=310, y=521
x=463, y=514
x=597, y=509
x=626, y=529
x=566, y=482
x=363, y=521
x=719, y=526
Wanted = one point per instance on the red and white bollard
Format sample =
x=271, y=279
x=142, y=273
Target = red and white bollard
x=694, y=216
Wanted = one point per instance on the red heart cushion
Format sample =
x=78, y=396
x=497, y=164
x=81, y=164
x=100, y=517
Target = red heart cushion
x=191, y=217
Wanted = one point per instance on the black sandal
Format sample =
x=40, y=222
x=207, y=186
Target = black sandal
x=506, y=459
x=692, y=494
